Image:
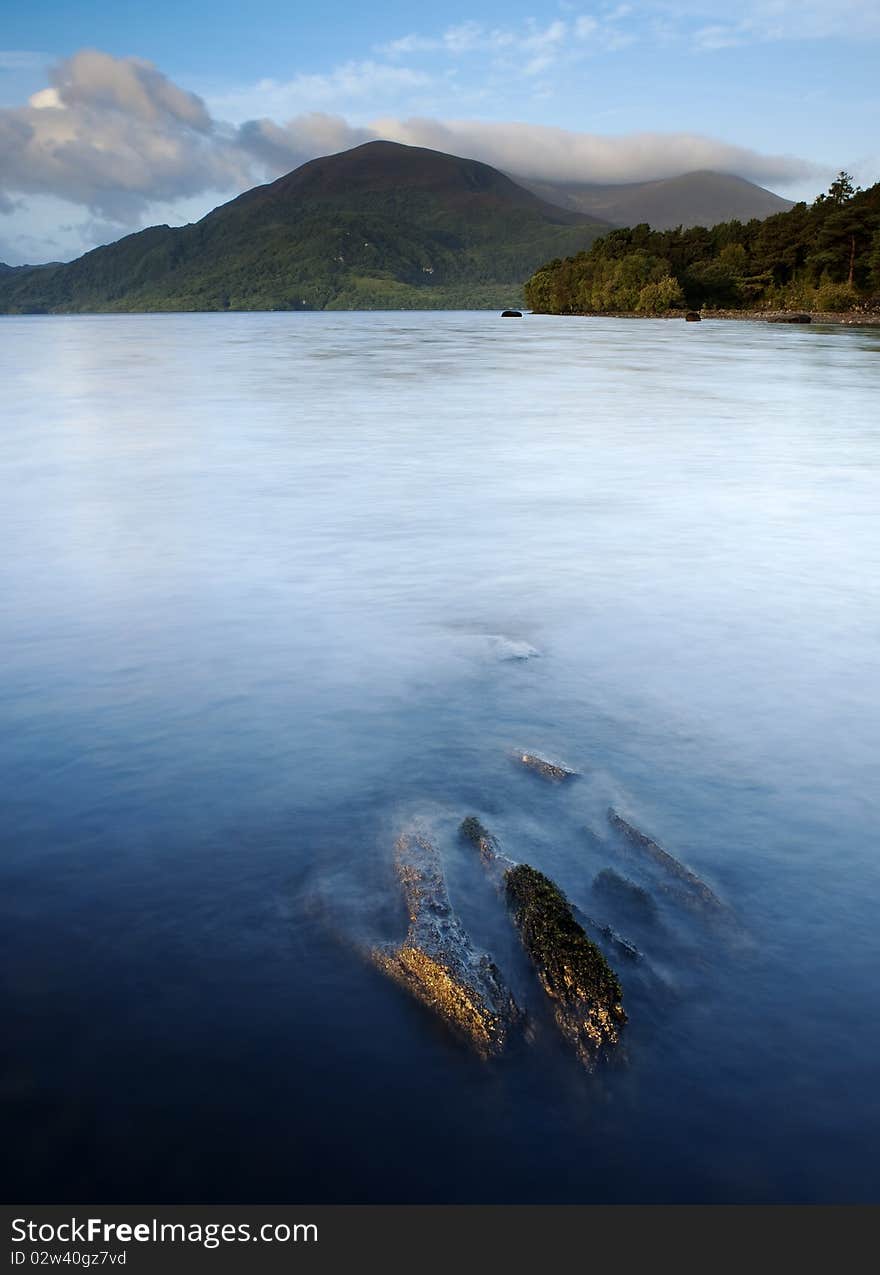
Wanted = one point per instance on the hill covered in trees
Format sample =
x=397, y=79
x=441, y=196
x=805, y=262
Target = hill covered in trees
x=823, y=256
x=382, y=226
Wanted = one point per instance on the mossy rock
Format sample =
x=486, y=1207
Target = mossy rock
x=472, y=830
x=583, y=987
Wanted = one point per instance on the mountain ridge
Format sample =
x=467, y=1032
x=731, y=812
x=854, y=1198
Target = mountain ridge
x=378, y=226
x=699, y=198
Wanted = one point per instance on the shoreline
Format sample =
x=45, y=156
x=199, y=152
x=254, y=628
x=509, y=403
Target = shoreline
x=850, y=318
x=845, y=318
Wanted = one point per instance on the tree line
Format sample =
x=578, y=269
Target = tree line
x=821, y=256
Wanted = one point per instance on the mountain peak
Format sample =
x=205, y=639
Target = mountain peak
x=381, y=167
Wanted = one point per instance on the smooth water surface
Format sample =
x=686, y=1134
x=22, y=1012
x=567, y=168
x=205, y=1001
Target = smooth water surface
x=261, y=578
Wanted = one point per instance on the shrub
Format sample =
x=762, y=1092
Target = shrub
x=835, y=297
x=659, y=297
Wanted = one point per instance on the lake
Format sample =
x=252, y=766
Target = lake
x=277, y=587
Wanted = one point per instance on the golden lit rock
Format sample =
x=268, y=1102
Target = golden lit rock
x=437, y=963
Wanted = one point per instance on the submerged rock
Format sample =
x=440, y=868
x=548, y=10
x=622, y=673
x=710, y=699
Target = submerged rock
x=695, y=890
x=634, y=897
x=622, y=945
x=437, y=963
x=492, y=859
x=551, y=770
x=581, y=985
x=506, y=648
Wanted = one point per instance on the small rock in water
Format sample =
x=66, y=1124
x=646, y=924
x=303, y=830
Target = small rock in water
x=551, y=770
x=510, y=649
x=511, y=314
x=625, y=892
x=495, y=863
x=693, y=316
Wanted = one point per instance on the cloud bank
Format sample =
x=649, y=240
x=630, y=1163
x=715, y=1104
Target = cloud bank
x=556, y=154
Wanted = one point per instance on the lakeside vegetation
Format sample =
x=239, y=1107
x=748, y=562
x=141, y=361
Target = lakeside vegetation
x=823, y=256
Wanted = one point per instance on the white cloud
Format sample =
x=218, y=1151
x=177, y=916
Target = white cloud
x=283, y=147
x=704, y=25
x=115, y=135
x=719, y=37
x=531, y=150
x=510, y=41
x=556, y=154
x=716, y=24
x=584, y=27
x=130, y=86
x=346, y=87
x=46, y=99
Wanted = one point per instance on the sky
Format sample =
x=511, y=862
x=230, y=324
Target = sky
x=114, y=117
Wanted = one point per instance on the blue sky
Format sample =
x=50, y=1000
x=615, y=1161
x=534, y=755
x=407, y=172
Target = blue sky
x=113, y=117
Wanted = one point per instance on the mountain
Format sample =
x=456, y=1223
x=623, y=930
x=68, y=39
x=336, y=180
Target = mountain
x=382, y=226
x=693, y=199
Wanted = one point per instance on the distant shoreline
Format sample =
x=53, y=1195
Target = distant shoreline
x=851, y=318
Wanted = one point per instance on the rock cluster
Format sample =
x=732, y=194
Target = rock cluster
x=583, y=988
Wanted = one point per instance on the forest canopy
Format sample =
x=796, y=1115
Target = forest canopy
x=822, y=256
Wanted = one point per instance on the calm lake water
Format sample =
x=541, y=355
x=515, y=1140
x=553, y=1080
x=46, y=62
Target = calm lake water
x=262, y=576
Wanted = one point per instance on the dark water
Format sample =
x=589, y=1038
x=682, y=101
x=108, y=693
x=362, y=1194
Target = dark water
x=259, y=577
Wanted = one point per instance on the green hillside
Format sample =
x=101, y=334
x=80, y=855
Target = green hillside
x=824, y=256
x=381, y=226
